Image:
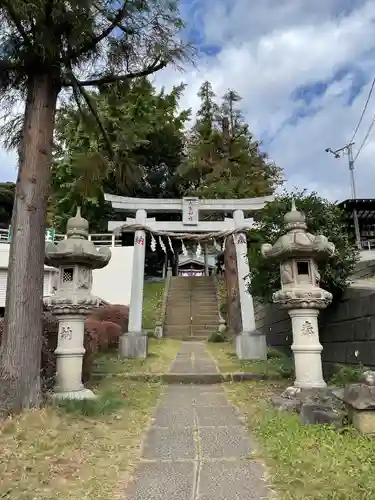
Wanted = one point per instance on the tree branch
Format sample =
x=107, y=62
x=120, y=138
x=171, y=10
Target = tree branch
x=13, y=15
x=153, y=68
x=90, y=44
x=125, y=30
x=77, y=88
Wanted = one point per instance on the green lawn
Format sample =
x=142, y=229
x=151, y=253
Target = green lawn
x=161, y=354
x=152, y=303
x=79, y=450
x=225, y=356
x=306, y=463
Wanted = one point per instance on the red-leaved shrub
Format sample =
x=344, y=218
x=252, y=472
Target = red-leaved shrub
x=115, y=313
x=102, y=331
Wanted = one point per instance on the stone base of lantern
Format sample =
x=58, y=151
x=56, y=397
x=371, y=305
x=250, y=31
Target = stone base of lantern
x=307, y=349
x=77, y=395
x=133, y=345
x=251, y=345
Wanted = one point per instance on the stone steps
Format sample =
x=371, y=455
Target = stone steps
x=192, y=310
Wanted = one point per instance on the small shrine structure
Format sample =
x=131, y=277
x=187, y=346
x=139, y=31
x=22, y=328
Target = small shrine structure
x=191, y=227
x=75, y=257
x=298, y=252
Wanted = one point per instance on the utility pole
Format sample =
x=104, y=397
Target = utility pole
x=348, y=149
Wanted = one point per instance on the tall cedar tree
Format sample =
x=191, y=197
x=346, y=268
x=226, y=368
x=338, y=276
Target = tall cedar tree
x=45, y=47
x=223, y=159
x=147, y=131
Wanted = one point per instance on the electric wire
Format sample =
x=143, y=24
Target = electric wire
x=365, y=138
x=363, y=111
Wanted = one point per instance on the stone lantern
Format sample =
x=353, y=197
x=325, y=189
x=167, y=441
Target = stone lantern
x=75, y=257
x=298, y=252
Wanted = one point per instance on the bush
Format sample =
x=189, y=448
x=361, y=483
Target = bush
x=322, y=217
x=102, y=331
x=218, y=337
x=347, y=374
x=273, y=353
x=113, y=321
x=116, y=314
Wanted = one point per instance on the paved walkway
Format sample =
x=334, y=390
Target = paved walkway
x=197, y=447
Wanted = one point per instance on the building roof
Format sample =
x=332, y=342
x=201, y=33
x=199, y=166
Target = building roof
x=365, y=208
x=194, y=261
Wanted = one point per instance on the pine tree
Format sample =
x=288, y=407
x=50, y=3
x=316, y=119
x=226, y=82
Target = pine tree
x=224, y=160
x=48, y=48
x=201, y=141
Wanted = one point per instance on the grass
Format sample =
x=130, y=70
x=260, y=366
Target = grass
x=306, y=463
x=227, y=361
x=161, y=354
x=73, y=450
x=76, y=450
x=152, y=303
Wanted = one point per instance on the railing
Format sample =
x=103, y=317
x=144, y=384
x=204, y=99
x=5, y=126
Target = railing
x=103, y=239
x=368, y=245
x=115, y=240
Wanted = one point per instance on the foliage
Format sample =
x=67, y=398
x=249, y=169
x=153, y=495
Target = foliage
x=152, y=303
x=99, y=334
x=312, y=462
x=217, y=337
x=146, y=132
x=322, y=217
x=347, y=374
x=6, y=203
x=222, y=158
x=107, y=403
x=50, y=49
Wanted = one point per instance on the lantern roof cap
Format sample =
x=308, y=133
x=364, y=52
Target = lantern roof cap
x=76, y=248
x=297, y=242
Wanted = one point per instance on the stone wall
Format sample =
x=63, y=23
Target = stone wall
x=364, y=269
x=346, y=327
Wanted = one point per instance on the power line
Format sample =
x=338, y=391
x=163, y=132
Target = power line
x=365, y=138
x=363, y=111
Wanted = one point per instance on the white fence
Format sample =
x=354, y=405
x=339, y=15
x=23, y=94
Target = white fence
x=112, y=283
x=105, y=239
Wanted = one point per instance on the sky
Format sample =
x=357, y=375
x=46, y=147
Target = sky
x=304, y=69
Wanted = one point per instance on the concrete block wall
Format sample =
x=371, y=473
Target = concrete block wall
x=347, y=328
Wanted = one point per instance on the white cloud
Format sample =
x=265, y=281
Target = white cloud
x=273, y=47
x=270, y=48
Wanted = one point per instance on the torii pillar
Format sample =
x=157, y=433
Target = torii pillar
x=250, y=342
x=134, y=343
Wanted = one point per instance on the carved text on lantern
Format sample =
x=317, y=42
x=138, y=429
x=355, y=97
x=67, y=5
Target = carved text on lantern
x=66, y=333
x=307, y=328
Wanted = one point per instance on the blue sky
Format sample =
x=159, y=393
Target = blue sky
x=303, y=68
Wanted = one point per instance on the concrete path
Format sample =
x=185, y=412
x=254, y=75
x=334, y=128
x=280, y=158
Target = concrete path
x=197, y=448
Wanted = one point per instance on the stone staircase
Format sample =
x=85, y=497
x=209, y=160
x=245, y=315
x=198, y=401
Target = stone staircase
x=192, y=308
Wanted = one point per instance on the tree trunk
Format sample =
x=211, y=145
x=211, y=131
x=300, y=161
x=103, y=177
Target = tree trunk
x=20, y=354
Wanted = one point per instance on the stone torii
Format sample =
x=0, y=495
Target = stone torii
x=134, y=343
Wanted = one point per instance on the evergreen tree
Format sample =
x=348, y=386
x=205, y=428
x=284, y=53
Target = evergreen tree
x=146, y=131
x=46, y=47
x=223, y=159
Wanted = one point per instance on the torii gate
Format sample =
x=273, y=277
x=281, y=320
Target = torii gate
x=249, y=343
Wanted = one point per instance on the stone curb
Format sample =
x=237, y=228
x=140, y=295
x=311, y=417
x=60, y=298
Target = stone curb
x=190, y=378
